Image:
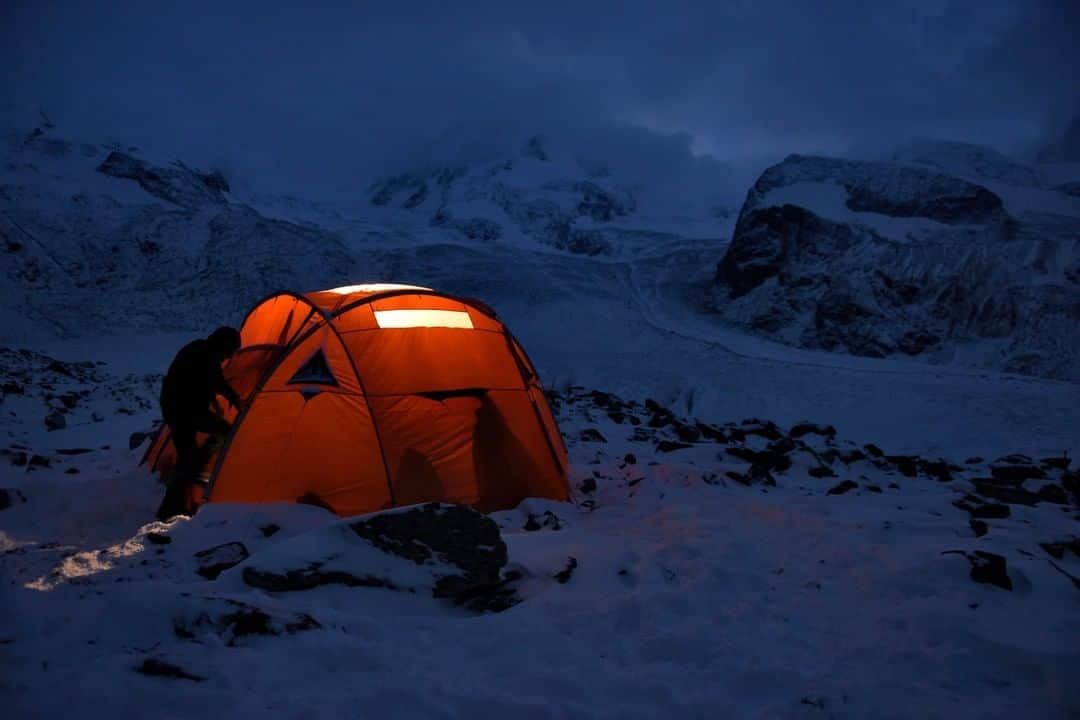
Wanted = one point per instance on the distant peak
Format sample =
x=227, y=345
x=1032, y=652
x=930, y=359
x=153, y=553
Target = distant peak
x=534, y=148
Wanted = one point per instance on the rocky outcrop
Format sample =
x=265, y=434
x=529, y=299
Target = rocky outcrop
x=877, y=259
x=178, y=184
x=450, y=551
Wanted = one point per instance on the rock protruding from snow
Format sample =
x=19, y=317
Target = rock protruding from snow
x=178, y=184
x=877, y=259
x=451, y=551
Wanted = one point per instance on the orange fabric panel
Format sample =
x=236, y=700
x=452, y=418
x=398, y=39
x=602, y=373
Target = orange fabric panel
x=555, y=437
x=484, y=451
x=514, y=460
x=483, y=321
x=331, y=301
x=415, y=360
x=359, y=318
x=275, y=321
x=336, y=357
x=287, y=448
x=246, y=368
x=428, y=446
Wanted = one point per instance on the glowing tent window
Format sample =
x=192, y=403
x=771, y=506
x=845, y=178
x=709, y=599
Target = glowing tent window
x=314, y=371
x=423, y=318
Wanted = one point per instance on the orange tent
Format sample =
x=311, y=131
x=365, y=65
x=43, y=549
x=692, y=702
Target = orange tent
x=369, y=396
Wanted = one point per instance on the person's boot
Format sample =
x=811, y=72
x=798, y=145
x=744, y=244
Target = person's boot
x=173, y=503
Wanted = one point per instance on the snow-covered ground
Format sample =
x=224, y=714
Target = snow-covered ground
x=710, y=577
x=707, y=580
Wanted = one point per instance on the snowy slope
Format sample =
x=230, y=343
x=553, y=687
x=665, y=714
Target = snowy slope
x=950, y=252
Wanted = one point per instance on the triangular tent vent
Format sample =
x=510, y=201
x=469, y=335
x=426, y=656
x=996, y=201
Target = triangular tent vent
x=314, y=371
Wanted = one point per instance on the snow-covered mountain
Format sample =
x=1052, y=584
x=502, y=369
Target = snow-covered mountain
x=949, y=251
x=96, y=238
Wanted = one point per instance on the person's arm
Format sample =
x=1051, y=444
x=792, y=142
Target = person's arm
x=222, y=387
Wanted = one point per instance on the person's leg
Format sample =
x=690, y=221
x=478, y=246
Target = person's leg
x=217, y=428
x=187, y=465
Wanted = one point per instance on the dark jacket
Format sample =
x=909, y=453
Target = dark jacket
x=194, y=380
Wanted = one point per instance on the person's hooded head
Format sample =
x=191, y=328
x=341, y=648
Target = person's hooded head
x=224, y=342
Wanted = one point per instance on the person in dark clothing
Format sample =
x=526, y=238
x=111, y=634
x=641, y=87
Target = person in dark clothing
x=190, y=389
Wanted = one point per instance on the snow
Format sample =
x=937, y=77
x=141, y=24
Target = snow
x=688, y=599
x=689, y=595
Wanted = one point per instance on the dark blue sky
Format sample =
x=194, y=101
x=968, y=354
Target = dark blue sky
x=342, y=90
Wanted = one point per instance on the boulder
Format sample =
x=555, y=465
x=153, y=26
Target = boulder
x=450, y=551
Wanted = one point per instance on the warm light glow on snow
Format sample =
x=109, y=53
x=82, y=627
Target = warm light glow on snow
x=373, y=287
x=423, y=318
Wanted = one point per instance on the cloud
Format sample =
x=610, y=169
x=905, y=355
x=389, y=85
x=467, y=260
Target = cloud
x=330, y=94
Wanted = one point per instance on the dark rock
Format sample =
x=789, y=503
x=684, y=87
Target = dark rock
x=216, y=560
x=55, y=420
x=1057, y=463
x=9, y=497
x=308, y=578
x=72, y=471
x=455, y=534
x=563, y=576
x=547, y=520
x=822, y=471
x=852, y=456
x=138, y=438
x=894, y=486
x=874, y=450
x=156, y=538
x=588, y=485
x=18, y=458
x=666, y=446
x=1053, y=493
x=767, y=430
x=973, y=460
x=269, y=530
x=1016, y=473
x=242, y=620
x=992, y=511
x=160, y=668
x=686, y=433
x=1005, y=493
x=39, y=461
x=602, y=399
x=739, y=477
x=804, y=428
x=908, y=465
x=990, y=568
x=661, y=419
x=979, y=527
x=1016, y=459
x=938, y=470
x=12, y=388
x=711, y=432
x=1055, y=549
x=591, y=435
x=73, y=451
x=842, y=488
x=873, y=488
x=630, y=459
